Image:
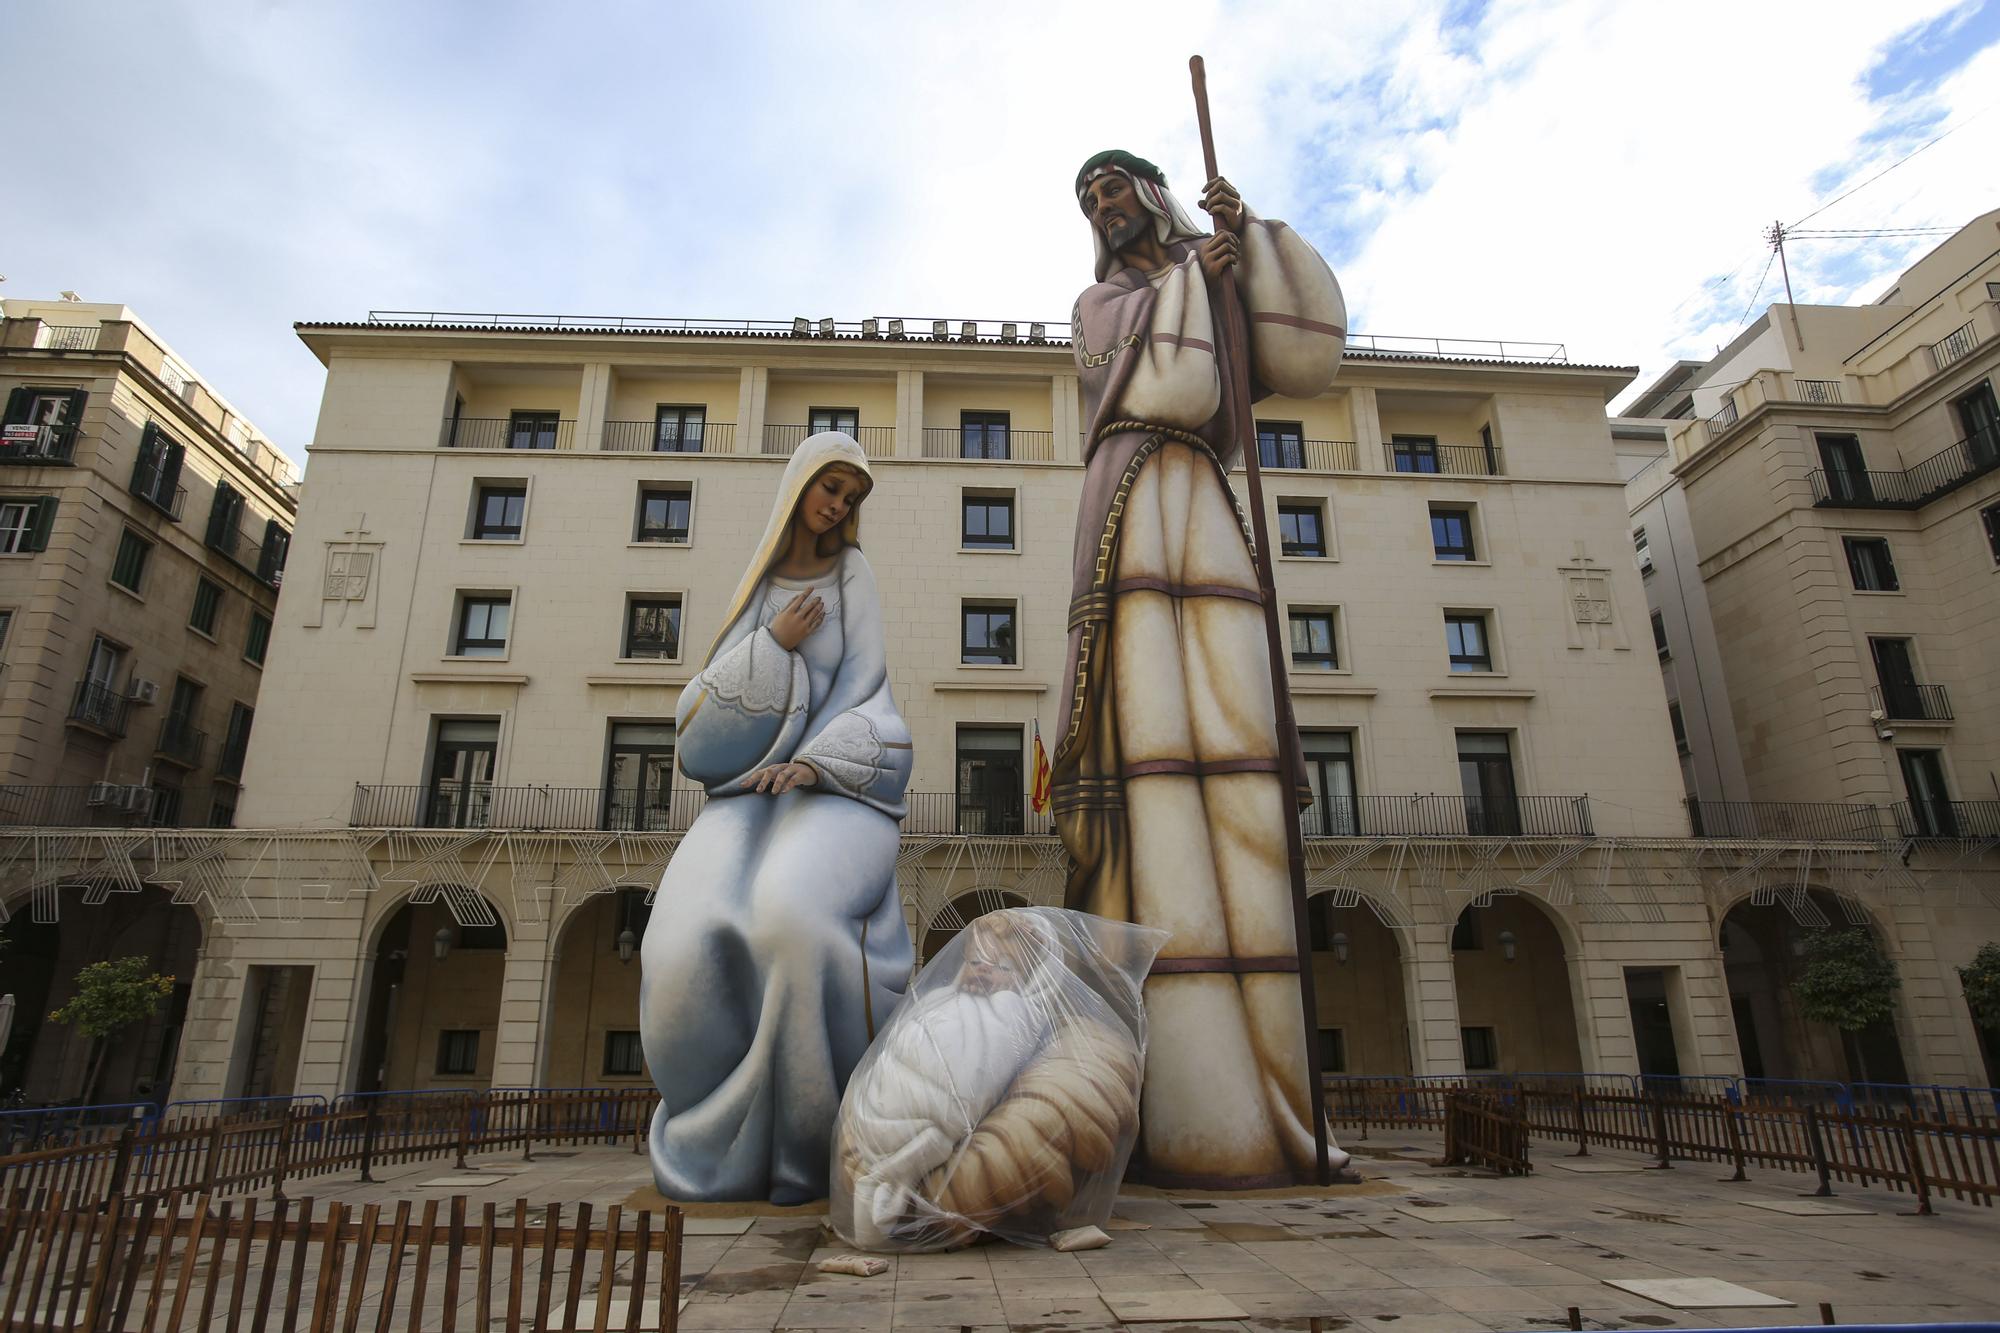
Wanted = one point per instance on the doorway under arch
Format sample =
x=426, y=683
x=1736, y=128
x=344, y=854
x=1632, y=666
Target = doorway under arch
x=592, y=1038
x=50, y=1062
x=433, y=1015
x=1516, y=1012
x=960, y=912
x=1763, y=949
x=1358, y=965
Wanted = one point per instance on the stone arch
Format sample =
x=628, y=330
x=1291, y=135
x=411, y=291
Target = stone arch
x=436, y=957
x=961, y=911
x=53, y=932
x=591, y=1035
x=1761, y=937
x=1511, y=963
x=1363, y=969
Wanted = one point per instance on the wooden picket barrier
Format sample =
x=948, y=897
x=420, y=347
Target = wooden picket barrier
x=1484, y=1131
x=180, y=1263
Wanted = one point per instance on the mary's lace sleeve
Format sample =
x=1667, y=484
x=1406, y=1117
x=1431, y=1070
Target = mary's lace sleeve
x=745, y=710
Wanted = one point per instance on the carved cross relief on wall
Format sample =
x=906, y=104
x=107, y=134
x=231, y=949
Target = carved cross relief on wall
x=1591, y=621
x=349, y=580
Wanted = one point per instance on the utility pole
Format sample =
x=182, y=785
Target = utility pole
x=1775, y=234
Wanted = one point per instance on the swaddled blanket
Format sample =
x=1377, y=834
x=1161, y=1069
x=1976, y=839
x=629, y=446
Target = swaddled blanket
x=1004, y=1094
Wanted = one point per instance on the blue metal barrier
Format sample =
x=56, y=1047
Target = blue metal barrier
x=1941, y=1101
x=1798, y=1092
x=1691, y=1085
x=55, y=1126
x=200, y=1108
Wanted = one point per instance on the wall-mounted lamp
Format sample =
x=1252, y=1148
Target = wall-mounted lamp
x=826, y=328
x=801, y=327
x=628, y=944
x=1507, y=945
x=1340, y=947
x=441, y=944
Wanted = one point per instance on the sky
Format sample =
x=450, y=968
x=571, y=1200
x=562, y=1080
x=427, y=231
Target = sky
x=1584, y=172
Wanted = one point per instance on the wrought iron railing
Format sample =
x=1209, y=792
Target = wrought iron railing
x=1817, y=391
x=1805, y=821
x=482, y=805
x=505, y=433
x=68, y=337
x=152, y=481
x=1954, y=345
x=99, y=706
x=1912, y=703
x=1722, y=419
x=1913, y=487
x=1448, y=460
x=985, y=444
x=694, y=437
x=1309, y=455
x=229, y=763
x=181, y=742
x=875, y=441
x=38, y=444
x=1948, y=819
x=1448, y=817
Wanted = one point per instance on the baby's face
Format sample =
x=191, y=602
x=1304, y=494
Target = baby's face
x=984, y=976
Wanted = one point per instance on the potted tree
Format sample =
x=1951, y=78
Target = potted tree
x=1847, y=981
x=110, y=997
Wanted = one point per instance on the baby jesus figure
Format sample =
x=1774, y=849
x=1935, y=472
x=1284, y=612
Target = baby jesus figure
x=1000, y=1090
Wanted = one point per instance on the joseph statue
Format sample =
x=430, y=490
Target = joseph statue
x=1170, y=788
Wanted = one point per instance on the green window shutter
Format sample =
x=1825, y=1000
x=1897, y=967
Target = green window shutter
x=77, y=399
x=45, y=521
x=17, y=406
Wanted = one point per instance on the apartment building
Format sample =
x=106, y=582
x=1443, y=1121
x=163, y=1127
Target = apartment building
x=521, y=535
x=144, y=524
x=1816, y=513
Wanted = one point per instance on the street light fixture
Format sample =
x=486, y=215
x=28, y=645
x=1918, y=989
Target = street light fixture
x=628, y=944
x=1507, y=945
x=441, y=943
x=1340, y=947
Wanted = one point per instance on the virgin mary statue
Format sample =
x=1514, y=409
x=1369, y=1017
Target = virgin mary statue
x=777, y=944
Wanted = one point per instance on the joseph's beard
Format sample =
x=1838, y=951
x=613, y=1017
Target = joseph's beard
x=1123, y=232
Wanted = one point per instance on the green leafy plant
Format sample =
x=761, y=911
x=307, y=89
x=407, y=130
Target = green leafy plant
x=110, y=997
x=1981, y=979
x=1846, y=980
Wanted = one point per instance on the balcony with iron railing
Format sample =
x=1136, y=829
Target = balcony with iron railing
x=506, y=433
x=1913, y=487
x=229, y=760
x=642, y=437
x=1789, y=821
x=989, y=445
x=181, y=742
x=483, y=805
x=1954, y=346
x=153, y=482
x=36, y=446
x=1912, y=702
x=260, y=553
x=99, y=708
x=1445, y=460
x=1817, y=391
x=1448, y=817
x=1948, y=819
x=68, y=337
x=875, y=441
x=1289, y=455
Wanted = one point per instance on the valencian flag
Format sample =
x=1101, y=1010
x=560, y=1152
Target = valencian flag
x=1039, y=797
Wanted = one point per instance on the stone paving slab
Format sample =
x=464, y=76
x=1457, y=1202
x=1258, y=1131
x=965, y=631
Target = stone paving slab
x=1808, y=1207
x=1697, y=1293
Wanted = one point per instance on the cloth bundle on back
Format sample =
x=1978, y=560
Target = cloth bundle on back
x=1003, y=1097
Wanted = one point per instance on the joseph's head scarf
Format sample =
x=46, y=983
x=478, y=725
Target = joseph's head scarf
x=815, y=454
x=1170, y=220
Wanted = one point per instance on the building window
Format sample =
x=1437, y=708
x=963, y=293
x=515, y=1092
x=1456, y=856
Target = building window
x=222, y=811
x=258, y=641
x=1679, y=724
x=458, y=1052
x=129, y=569
x=498, y=513
x=235, y=742
x=1329, y=759
x=463, y=759
x=991, y=795
x=1642, y=551
x=1931, y=812
x=988, y=638
x=1869, y=565
x=1847, y=479
x=207, y=602
x=1332, y=1051
x=6, y=623
x=1413, y=453
x=678, y=429
x=1451, y=534
x=166, y=811
x=638, y=790
x=1482, y=1049
x=846, y=420
x=482, y=626
x=225, y=512
x=1486, y=777
x=624, y=1057
x=532, y=430
x=664, y=514
x=1465, y=932
x=17, y=525
x=653, y=627
x=1979, y=414
x=1990, y=516
x=1313, y=644
x=1281, y=444
x=986, y=521
x=982, y=435
x=1896, y=673
x=1301, y=528
x=157, y=473
x=1466, y=641
x=1660, y=644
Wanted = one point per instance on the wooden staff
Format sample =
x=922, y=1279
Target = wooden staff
x=1236, y=352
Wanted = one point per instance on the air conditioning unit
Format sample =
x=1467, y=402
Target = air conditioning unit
x=103, y=793
x=137, y=801
x=143, y=691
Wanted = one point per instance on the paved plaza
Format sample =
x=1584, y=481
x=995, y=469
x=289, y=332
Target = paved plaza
x=1414, y=1249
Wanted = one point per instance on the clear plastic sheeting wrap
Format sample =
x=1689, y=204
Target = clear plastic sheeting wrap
x=1003, y=1096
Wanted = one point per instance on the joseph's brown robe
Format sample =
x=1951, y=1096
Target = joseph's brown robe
x=1168, y=786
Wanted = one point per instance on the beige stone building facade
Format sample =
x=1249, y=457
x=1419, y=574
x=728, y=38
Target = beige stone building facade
x=1817, y=516
x=144, y=524
x=518, y=539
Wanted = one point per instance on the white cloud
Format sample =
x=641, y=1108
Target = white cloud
x=1569, y=170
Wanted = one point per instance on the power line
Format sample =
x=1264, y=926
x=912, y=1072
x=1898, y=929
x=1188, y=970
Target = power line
x=1769, y=260
x=1891, y=167
x=1858, y=232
